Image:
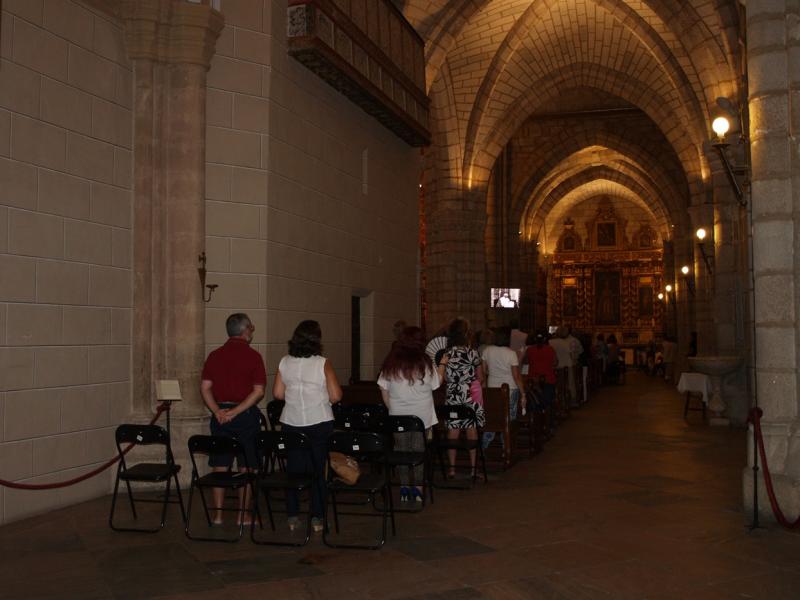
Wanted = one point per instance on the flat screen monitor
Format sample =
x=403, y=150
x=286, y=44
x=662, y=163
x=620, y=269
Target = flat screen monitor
x=505, y=298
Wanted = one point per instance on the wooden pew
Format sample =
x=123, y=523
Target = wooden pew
x=496, y=406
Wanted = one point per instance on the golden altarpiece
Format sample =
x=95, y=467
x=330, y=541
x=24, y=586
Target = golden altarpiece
x=605, y=276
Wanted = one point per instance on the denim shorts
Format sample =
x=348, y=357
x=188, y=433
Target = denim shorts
x=244, y=427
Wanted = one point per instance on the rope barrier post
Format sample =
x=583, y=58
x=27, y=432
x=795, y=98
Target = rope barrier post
x=168, y=410
x=167, y=392
x=755, y=524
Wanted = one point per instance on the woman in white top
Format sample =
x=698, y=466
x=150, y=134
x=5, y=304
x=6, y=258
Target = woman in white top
x=407, y=380
x=501, y=364
x=307, y=382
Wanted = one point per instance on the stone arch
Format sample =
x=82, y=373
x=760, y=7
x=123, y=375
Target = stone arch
x=545, y=198
x=442, y=24
x=688, y=104
x=588, y=76
x=559, y=220
x=607, y=144
x=447, y=157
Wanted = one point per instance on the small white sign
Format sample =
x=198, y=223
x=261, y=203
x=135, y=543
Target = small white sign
x=347, y=425
x=281, y=446
x=168, y=389
x=401, y=428
x=356, y=447
x=453, y=415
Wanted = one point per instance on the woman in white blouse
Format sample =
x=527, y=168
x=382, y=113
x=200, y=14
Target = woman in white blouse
x=407, y=380
x=501, y=365
x=307, y=381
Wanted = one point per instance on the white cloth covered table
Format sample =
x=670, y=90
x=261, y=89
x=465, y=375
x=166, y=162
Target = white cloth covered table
x=695, y=382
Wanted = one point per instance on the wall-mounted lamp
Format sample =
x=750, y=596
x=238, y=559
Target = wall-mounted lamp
x=721, y=126
x=700, y=234
x=660, y=295
x=669, y=294
x=201, y=271
x=688, y=280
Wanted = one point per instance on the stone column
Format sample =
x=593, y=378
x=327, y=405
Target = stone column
x=702, y=216
x=774, y=77
x=456, y=259
x=680, y=250
x=725, y=265
x=184, y=209
x=171, y=44
x=669, y=316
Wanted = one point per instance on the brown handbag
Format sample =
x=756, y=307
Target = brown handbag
x=345, y=467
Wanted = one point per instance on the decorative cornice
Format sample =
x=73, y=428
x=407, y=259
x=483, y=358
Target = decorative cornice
x=171, y=32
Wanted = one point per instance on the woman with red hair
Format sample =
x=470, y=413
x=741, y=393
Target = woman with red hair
x=407, y=380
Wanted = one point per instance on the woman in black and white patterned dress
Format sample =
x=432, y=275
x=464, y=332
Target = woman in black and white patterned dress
x=460, y=366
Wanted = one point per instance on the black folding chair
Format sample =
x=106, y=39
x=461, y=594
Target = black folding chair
x=166, y=472
x=359, y=417
x=409, y=424
x=263, y=424
x=274, y=411
x=447, y=413
x=273, y=448
x=370, y=450
x=213, y=445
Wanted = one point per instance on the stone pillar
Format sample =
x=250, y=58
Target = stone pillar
x=680, y=253
x=170, y=44
x=456, y=259
x=774, y=78
x=725, y=266
x=702, y=216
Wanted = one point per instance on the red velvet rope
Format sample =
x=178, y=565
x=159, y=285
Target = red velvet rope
x=755, y=419
x=60, y=484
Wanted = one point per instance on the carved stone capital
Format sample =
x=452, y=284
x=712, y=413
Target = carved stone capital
x=170, y=31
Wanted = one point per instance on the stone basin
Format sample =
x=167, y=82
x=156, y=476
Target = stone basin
x=715, y=365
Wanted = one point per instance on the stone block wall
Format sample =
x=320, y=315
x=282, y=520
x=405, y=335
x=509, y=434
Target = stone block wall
x=309, y=200
x=65, y=247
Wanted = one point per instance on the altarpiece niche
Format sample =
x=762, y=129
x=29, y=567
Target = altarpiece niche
x=604, y=281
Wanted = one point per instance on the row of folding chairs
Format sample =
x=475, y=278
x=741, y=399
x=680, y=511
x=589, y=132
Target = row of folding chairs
x=375, y=418
x=371, y=449
x=363, y=432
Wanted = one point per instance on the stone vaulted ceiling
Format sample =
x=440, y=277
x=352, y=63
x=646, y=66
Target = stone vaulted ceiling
x=494, y=64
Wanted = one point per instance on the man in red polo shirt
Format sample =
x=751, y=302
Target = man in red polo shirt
x=233, y=382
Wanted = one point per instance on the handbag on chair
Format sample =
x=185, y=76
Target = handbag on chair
x=345, y=467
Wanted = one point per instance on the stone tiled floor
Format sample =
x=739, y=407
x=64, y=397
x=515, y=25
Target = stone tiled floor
x=628, y=501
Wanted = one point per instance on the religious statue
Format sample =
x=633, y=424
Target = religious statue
x=570, y=302
x=607, y=304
